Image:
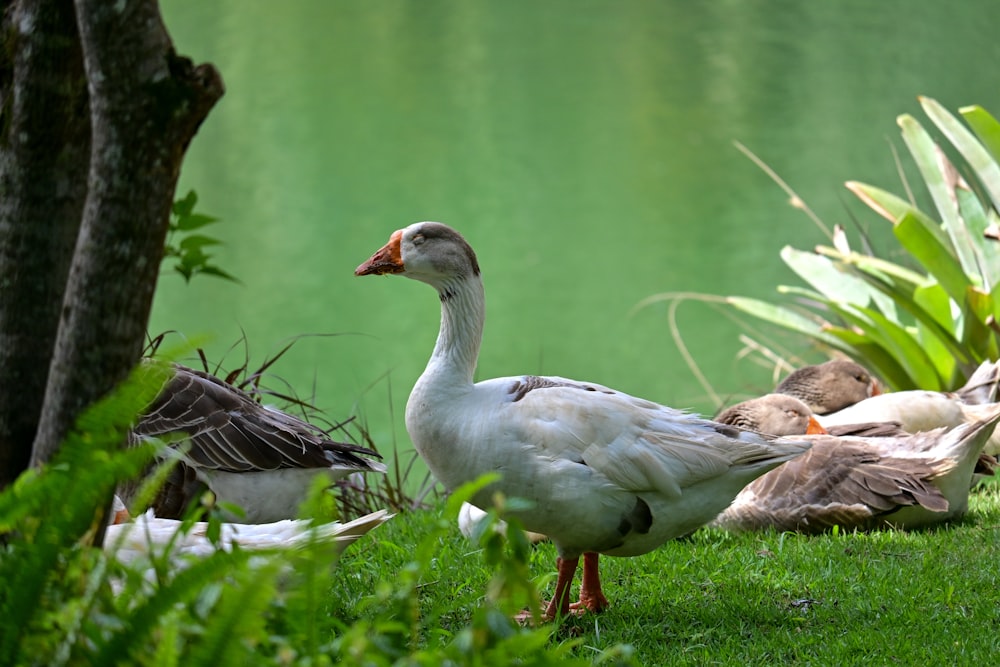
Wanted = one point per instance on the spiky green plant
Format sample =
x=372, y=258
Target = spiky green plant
x=926, y=322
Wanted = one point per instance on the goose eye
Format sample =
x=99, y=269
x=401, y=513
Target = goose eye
x=418, y=239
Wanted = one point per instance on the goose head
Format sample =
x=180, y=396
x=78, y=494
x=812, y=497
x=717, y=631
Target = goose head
x=426, y=251
x=775, y=414
x=830, y=386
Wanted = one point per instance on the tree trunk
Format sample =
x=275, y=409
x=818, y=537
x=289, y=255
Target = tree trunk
x=146, y=103
x=44, y=152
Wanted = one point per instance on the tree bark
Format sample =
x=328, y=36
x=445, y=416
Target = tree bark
x=146, y=103
x=44, y=152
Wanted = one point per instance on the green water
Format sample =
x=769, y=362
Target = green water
x=585, y=149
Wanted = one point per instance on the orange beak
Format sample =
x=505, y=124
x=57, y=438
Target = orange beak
x=388, y=259
x=119, y=512
x=814, y=428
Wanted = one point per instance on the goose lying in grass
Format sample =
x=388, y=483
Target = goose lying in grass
x=914, y=410
x=259, y=459
x=149, y=536
x=902, y=480
x=830, y=386
x=605, y=472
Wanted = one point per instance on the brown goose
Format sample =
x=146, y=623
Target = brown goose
x=780, y=414
x=901, y=480
x=604, y=472
x=830, y=386
x=776, y=414
x=259, y=459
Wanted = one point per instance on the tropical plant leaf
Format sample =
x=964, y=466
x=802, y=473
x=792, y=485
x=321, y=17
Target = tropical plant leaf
x=933, y=300
x=906, y=278
x=932, y=165
x=904, y=347
x=905, y=300
x=977, y=220
x=785, y=318
x=982, y=163
x=976, y=335
x=828, y=277
x=925, y=246
x=986, y=128
x=886, y=204
x=930, y=322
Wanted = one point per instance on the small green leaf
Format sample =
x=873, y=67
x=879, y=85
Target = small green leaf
x=184, y=206
x=192, y=221
x=198, y=241
x=212, y=270
x=185, y=271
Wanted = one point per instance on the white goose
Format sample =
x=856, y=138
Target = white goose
x=606, y=472
x=470, y=516
x=148, y=535
x=902, y=480
x=257, y=458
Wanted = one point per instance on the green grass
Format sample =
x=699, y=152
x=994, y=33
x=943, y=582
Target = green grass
x=885, y=597
x=415, y=592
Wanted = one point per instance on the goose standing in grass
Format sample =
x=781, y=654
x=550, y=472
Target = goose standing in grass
x=902, y=480
x=604, y=472
x=829, y=388
x=259, y=459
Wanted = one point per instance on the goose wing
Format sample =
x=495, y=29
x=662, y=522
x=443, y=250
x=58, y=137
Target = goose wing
x=840, y=481
x=637, y=444
x=230, y=431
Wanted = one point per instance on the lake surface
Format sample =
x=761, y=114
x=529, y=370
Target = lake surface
x=584, y=148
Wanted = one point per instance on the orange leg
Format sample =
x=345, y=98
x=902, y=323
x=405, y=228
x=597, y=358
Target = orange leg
x=559, y=605
x=591, y=596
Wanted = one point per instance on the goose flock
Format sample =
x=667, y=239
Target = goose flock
x=607, y=473
x=599, y=472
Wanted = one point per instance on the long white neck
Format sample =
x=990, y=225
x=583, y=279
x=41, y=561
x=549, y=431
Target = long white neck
x=463, y=314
